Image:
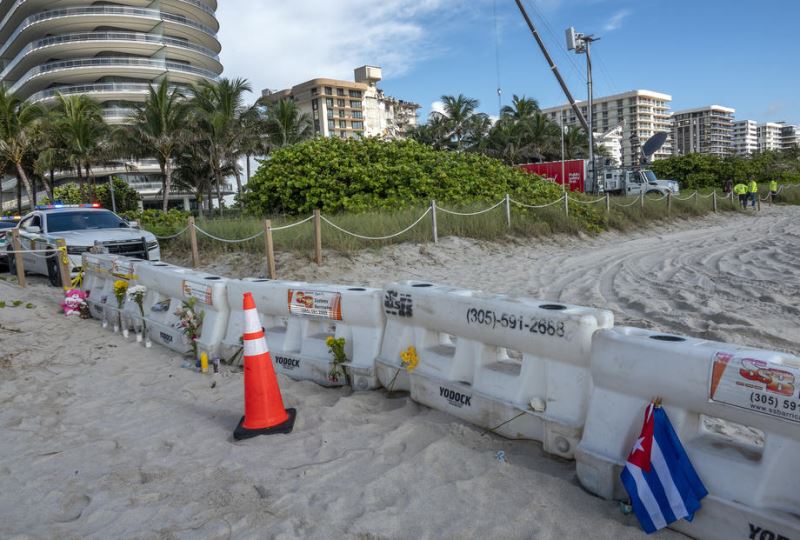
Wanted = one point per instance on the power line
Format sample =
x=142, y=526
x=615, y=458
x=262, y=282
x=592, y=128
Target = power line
x=556, y=41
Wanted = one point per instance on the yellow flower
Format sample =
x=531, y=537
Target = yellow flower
x=329, y=341
x=120, y=285
x=409, y=359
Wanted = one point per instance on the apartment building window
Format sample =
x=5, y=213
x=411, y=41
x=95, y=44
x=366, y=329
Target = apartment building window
x=314, y=104
x=357, y=114
x=329, y=102
x=331, y=124
x=343, y=124
x=317, y=126
x=340, y=91
x=343, y=134
x=355, y=93
x=341, y=113
x=314, y=91
x=355, y=104
x=328, y=91
x=330, y=113
x=340, y=103
x=358, y=125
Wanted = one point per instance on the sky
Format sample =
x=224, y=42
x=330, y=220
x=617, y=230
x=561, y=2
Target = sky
x=735, y=53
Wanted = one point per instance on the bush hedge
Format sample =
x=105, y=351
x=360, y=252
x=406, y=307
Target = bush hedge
x=358, y=175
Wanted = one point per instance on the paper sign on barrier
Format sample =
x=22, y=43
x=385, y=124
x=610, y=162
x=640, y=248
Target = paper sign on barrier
x=756, y=385
x=323, y=304
x=203, y=293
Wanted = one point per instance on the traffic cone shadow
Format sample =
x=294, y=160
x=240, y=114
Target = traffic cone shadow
x=264, y=413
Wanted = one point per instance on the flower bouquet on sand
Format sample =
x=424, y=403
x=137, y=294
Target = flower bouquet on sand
x=190, y=322
x=336, y=348
x=136, y=294
x=120, y=291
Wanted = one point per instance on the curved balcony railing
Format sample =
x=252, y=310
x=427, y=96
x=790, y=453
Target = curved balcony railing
x=111, y=61
x=106, y=36
x=104, y=10
x=97, y=88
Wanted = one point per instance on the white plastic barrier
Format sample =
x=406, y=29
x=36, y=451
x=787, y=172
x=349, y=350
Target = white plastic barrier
x=168, y=287
x=465, y=342
x=736, y=411
x=298, y=318
x=100, y=271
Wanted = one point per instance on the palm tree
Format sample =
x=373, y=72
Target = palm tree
x=521, y=108
x=576, y=143
x=157, y=128
x=457, y=110
x=285, y=124
x=84, y=131
x=51, y=152
x=193, y=171
x=18, y=121
x=217, y=108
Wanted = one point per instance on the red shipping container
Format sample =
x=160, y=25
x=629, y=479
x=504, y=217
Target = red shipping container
x=575, y=170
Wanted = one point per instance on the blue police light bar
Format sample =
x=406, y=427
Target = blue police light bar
x=52, y=206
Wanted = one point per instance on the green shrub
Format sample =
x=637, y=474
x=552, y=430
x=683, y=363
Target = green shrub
x=158, y=222
x=359, y=175
x=125, y=197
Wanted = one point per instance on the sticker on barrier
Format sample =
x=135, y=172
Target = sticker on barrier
x=325, y=304
x=515, y=365
x=299, y=318
x=199, y=291
x=731, y=409
x=756, y=385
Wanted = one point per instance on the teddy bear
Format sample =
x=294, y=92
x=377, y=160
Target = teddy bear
x=75, y=303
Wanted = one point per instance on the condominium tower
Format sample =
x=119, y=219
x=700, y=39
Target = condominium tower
x=348, y=109
x=745, y=137
x=703, y=130
x=111, y=52
x=641, y=113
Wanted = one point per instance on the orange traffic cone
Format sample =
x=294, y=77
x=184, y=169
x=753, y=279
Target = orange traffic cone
x=263, y=406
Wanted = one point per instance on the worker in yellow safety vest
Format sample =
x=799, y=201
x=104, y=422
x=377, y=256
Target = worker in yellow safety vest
x=773, y=189
x=752, y=187
x=741, y=190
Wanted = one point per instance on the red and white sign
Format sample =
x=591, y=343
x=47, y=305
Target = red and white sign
x=756, y=385
x=574, y=170
x=323, y=304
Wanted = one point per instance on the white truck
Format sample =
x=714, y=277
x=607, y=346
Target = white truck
x=82, y=227
x=634, y=182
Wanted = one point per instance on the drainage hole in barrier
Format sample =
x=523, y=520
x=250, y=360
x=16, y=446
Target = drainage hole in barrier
x=160, y=264
x=553, y=307
x=211, y=278
x=356, y=289
x=258, y=280
x=667, y=338
x=422, y=285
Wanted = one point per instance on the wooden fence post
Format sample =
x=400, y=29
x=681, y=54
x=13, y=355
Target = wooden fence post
x=193, y=239
x=434, y=224
x=696, y=199
x=566, y=204
x=641, y=202
x=669, y=202
x=270, y=253
x=608, y=203
x=758, y=202
x=714, y=200
x=317, y=236
x=508, y=210
x=771, y=198
x=64, y=264
x=18, y=257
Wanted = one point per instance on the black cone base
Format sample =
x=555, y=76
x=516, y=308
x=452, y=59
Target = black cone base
x=243, y=433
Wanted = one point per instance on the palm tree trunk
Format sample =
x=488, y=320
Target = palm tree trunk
x=51, y=187
x=247, y=165
x=80, y=179
x=22, y=180
x=219, y=191
x=166, y=185
x=33, y=191
x=239, y=185
x=209, y=198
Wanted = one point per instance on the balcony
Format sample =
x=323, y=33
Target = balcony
x=98, y=91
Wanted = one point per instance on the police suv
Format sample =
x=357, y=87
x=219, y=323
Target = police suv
x=83, y=227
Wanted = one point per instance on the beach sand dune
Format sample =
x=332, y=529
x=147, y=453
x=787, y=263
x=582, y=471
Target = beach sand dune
x=102, y=438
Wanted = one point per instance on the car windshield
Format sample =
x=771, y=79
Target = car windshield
x=651, y=176
x=78, y=221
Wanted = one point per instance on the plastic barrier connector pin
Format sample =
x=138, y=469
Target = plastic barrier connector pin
x=264, y=413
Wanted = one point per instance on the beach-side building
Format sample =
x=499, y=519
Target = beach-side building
x=790, y=136
x=641, y=113
x=111, y=52
x=769, y=136
x=703, y=130
x=745, y=137
x=355, y=108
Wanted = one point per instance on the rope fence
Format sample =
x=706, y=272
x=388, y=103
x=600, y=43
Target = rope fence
x=317, y=218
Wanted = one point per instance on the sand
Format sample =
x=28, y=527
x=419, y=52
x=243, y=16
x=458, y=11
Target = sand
x=102, y=438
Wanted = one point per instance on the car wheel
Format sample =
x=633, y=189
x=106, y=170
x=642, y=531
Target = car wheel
x=52, y=269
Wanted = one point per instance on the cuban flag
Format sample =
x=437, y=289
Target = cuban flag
x=659, y=478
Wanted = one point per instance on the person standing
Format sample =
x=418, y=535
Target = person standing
x=728, y=187
x=740, y=189
x=752, y=187
x=773, y=189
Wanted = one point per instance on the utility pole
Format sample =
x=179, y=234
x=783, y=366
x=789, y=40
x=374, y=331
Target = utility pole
x=553, y=67
x=581, y=44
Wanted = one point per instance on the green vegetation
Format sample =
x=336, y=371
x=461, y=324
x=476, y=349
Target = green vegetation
x=695, y=171
x=126, y=198
x=359, y=175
